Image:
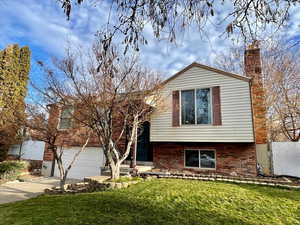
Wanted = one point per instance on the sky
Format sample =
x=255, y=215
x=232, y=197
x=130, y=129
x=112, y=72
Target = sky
x=43, y=27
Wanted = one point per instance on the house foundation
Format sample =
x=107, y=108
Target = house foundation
x=230, y=158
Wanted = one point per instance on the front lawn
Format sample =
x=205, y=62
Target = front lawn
x=162, y=202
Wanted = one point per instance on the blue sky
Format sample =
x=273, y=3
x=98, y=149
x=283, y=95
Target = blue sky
x=43, y=27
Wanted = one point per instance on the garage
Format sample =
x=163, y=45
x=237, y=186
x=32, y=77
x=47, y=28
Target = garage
x=87, y=164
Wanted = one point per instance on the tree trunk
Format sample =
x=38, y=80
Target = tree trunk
x=62, y=184
x=115, y=170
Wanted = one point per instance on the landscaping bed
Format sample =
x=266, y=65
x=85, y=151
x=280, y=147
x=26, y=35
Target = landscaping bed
x=11, y=170
x=93, y=184
x=162, y=201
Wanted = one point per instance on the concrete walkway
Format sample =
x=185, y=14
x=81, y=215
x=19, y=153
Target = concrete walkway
x=16, y=191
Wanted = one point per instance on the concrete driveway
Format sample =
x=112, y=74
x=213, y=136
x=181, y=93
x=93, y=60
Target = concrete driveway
x=16, y=191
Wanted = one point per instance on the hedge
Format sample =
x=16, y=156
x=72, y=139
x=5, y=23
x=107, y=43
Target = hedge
x=11, y=170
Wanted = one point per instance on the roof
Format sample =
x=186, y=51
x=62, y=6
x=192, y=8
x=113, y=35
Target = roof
x=195, y=64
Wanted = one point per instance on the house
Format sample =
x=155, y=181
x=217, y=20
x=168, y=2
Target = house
x=214, y=123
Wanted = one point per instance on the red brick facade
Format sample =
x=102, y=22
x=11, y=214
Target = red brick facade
x=237, y=158
x=75, y=136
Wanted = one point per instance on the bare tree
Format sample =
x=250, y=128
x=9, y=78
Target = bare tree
x=281, y=80
x=169, y=18
x=42, y=129
x=232, y=60
x=282, y=83
x=112, y=96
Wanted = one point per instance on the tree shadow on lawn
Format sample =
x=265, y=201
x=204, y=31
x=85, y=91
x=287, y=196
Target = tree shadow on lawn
x=274, y=192
x=108, y=208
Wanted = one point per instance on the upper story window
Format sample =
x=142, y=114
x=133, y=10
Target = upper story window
x=65, y=120
x=196, y=106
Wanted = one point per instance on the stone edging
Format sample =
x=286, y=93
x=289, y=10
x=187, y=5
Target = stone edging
x=90, y=186
x=239, y=180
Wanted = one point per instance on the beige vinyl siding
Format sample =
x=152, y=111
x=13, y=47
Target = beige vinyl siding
x=235, y=106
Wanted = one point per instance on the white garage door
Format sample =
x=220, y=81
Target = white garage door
x=87, y=164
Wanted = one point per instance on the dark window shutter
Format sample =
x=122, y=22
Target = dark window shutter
x=216, y=105
x=175, y=108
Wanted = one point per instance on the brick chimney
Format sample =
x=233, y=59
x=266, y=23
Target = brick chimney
x=253, y=70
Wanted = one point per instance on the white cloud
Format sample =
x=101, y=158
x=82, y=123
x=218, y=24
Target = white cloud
x=43, y=26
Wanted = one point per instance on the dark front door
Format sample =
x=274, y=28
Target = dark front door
x=144, y=150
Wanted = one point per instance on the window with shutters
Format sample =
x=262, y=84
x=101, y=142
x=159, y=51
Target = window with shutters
x=65, y=120
x=196, y=106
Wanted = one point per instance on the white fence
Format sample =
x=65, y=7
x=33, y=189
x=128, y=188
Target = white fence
x=31, y=150
x=286, y=158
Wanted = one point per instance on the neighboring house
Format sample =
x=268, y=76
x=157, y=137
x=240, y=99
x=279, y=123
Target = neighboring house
x=214, y=123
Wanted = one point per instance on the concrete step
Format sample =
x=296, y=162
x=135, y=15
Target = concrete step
x=107, y=173
x=125, y=170
x=139, y=163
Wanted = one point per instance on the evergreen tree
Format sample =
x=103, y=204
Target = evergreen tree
x=14, y=74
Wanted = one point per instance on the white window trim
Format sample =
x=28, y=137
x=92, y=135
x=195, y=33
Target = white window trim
x=211, y=107
x=199, y=167
x=59, y=119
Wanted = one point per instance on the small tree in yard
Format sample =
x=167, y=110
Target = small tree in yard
x=112, y=94
x=43, y=130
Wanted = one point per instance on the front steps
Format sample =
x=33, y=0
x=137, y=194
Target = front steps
x=125, y=170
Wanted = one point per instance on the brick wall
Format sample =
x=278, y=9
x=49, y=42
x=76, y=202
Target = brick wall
x=77, y=135
x=239, y=158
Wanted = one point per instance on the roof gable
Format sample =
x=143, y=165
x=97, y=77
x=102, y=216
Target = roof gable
x=194, y=64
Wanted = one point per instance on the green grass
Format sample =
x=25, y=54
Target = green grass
x=162, y=202
x=126, y=179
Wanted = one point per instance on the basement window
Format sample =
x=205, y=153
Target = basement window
x=203, y=159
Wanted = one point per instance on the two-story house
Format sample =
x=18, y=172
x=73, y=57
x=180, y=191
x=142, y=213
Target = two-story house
x=214, y=122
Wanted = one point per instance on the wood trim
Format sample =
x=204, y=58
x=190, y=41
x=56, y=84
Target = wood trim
x=194, y=64
x=175, y=109
x=216, y=105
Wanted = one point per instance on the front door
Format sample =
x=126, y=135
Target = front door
x=144, y=149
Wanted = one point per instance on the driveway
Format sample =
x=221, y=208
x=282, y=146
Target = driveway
x=16, y=191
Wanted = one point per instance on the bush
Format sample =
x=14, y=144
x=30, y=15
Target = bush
x=10, y=170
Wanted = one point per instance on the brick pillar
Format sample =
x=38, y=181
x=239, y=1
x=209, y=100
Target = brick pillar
x=253, y=70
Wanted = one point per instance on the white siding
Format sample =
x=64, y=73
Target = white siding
x=235, y=105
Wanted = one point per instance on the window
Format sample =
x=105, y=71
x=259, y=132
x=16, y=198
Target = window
x=204, y=159
x=196, y=106
x=203, y=106
x=65, y=120
x=187, y=107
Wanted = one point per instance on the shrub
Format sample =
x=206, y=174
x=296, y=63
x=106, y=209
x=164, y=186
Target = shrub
x=10, y=170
